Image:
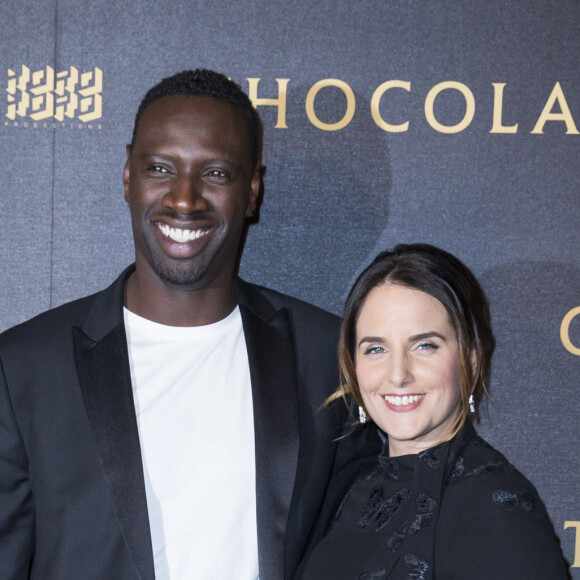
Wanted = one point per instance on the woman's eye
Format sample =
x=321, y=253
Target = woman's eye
x=158, y=169
x=427, y=346
x=374, y=350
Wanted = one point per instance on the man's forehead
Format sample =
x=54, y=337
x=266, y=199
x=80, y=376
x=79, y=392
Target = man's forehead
x=189, y=104
x=200, y=111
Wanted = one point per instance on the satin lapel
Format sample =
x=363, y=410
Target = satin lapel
x=104, y=375
x=275, y=402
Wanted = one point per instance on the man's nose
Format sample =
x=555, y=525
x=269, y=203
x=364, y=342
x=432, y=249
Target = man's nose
x=186, y=195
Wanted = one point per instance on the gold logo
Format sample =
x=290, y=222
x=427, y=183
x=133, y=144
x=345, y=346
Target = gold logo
x=575, y=525
x=555, y=108
x=565, y=331
x=44, y=95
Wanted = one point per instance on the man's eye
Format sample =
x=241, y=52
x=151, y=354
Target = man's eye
x=158, y=168
x=217, y=174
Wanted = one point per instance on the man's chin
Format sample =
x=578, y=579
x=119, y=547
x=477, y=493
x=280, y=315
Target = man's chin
x=183, y=276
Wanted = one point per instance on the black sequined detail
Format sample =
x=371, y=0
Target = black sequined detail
x=420, y=522
x=395, y=541
x=431, y=458
x=457, y=471
x=511, y=501
x=493, y=465
x=417, y=568
x=381, y=509
x=389, y=468
x=425, y=508
x=425, y=504
x=391, y=507
x=376, y=575
x=450, y=458
x=376, y=499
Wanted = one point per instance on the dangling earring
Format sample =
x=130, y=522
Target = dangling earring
x=362, y=416
x=471, y=404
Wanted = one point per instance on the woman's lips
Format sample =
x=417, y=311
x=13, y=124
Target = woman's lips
x=403, y=403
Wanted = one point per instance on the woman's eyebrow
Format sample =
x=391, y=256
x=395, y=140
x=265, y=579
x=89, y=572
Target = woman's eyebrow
x=370, y=339
x=425, y=335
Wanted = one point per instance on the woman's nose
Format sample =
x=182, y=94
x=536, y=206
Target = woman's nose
x=399, y=371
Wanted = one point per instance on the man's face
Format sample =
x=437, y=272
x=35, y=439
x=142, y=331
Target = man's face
x=189, y=183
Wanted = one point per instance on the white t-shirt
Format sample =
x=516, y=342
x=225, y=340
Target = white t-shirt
x=193, y=401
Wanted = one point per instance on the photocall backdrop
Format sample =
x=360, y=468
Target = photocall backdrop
x=449, y=122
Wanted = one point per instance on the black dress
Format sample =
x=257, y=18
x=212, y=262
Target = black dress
x=457, y=511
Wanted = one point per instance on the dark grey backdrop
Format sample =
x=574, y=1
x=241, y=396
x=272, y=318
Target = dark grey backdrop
x=507, y=204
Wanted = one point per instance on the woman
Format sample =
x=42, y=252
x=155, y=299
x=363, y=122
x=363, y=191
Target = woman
x=438, y=502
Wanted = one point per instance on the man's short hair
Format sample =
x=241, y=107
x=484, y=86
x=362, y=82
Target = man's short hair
x=205, y=83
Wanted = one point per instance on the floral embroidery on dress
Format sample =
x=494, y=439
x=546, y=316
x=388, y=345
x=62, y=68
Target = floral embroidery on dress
x=389, y=467
x=395, y=541
x=457, y=471
x=511, y=501
x=431, y=457
x=425, y=509
x=381, y=509
x=425, y=512
x=417, y=568
x=489, y=467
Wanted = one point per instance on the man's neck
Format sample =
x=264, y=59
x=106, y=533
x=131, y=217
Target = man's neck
x=178, y=305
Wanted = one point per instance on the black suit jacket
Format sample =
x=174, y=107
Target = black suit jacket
x=72, y=493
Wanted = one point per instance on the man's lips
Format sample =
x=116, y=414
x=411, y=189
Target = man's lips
x=403, y=403
x=183, y=235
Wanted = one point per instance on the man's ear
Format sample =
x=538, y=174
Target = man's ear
x=127, y=172
x=255, y=190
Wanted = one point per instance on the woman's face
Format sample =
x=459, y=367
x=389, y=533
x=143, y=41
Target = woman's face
x=408, y=367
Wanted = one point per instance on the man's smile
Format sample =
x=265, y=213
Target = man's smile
x=182, y=235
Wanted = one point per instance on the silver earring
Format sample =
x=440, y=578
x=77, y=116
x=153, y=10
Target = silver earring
x=471, y=404
x=362, y=416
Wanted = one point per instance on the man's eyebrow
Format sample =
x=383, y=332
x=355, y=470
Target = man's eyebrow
x=165, y=156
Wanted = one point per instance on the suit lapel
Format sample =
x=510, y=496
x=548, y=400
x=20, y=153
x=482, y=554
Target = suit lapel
x=104, y=375
x=275, y=402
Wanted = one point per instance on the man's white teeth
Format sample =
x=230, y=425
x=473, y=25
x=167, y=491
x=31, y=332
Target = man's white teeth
x=404, y=400
x=179, y=235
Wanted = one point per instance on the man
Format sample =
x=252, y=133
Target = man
x=170, y=426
